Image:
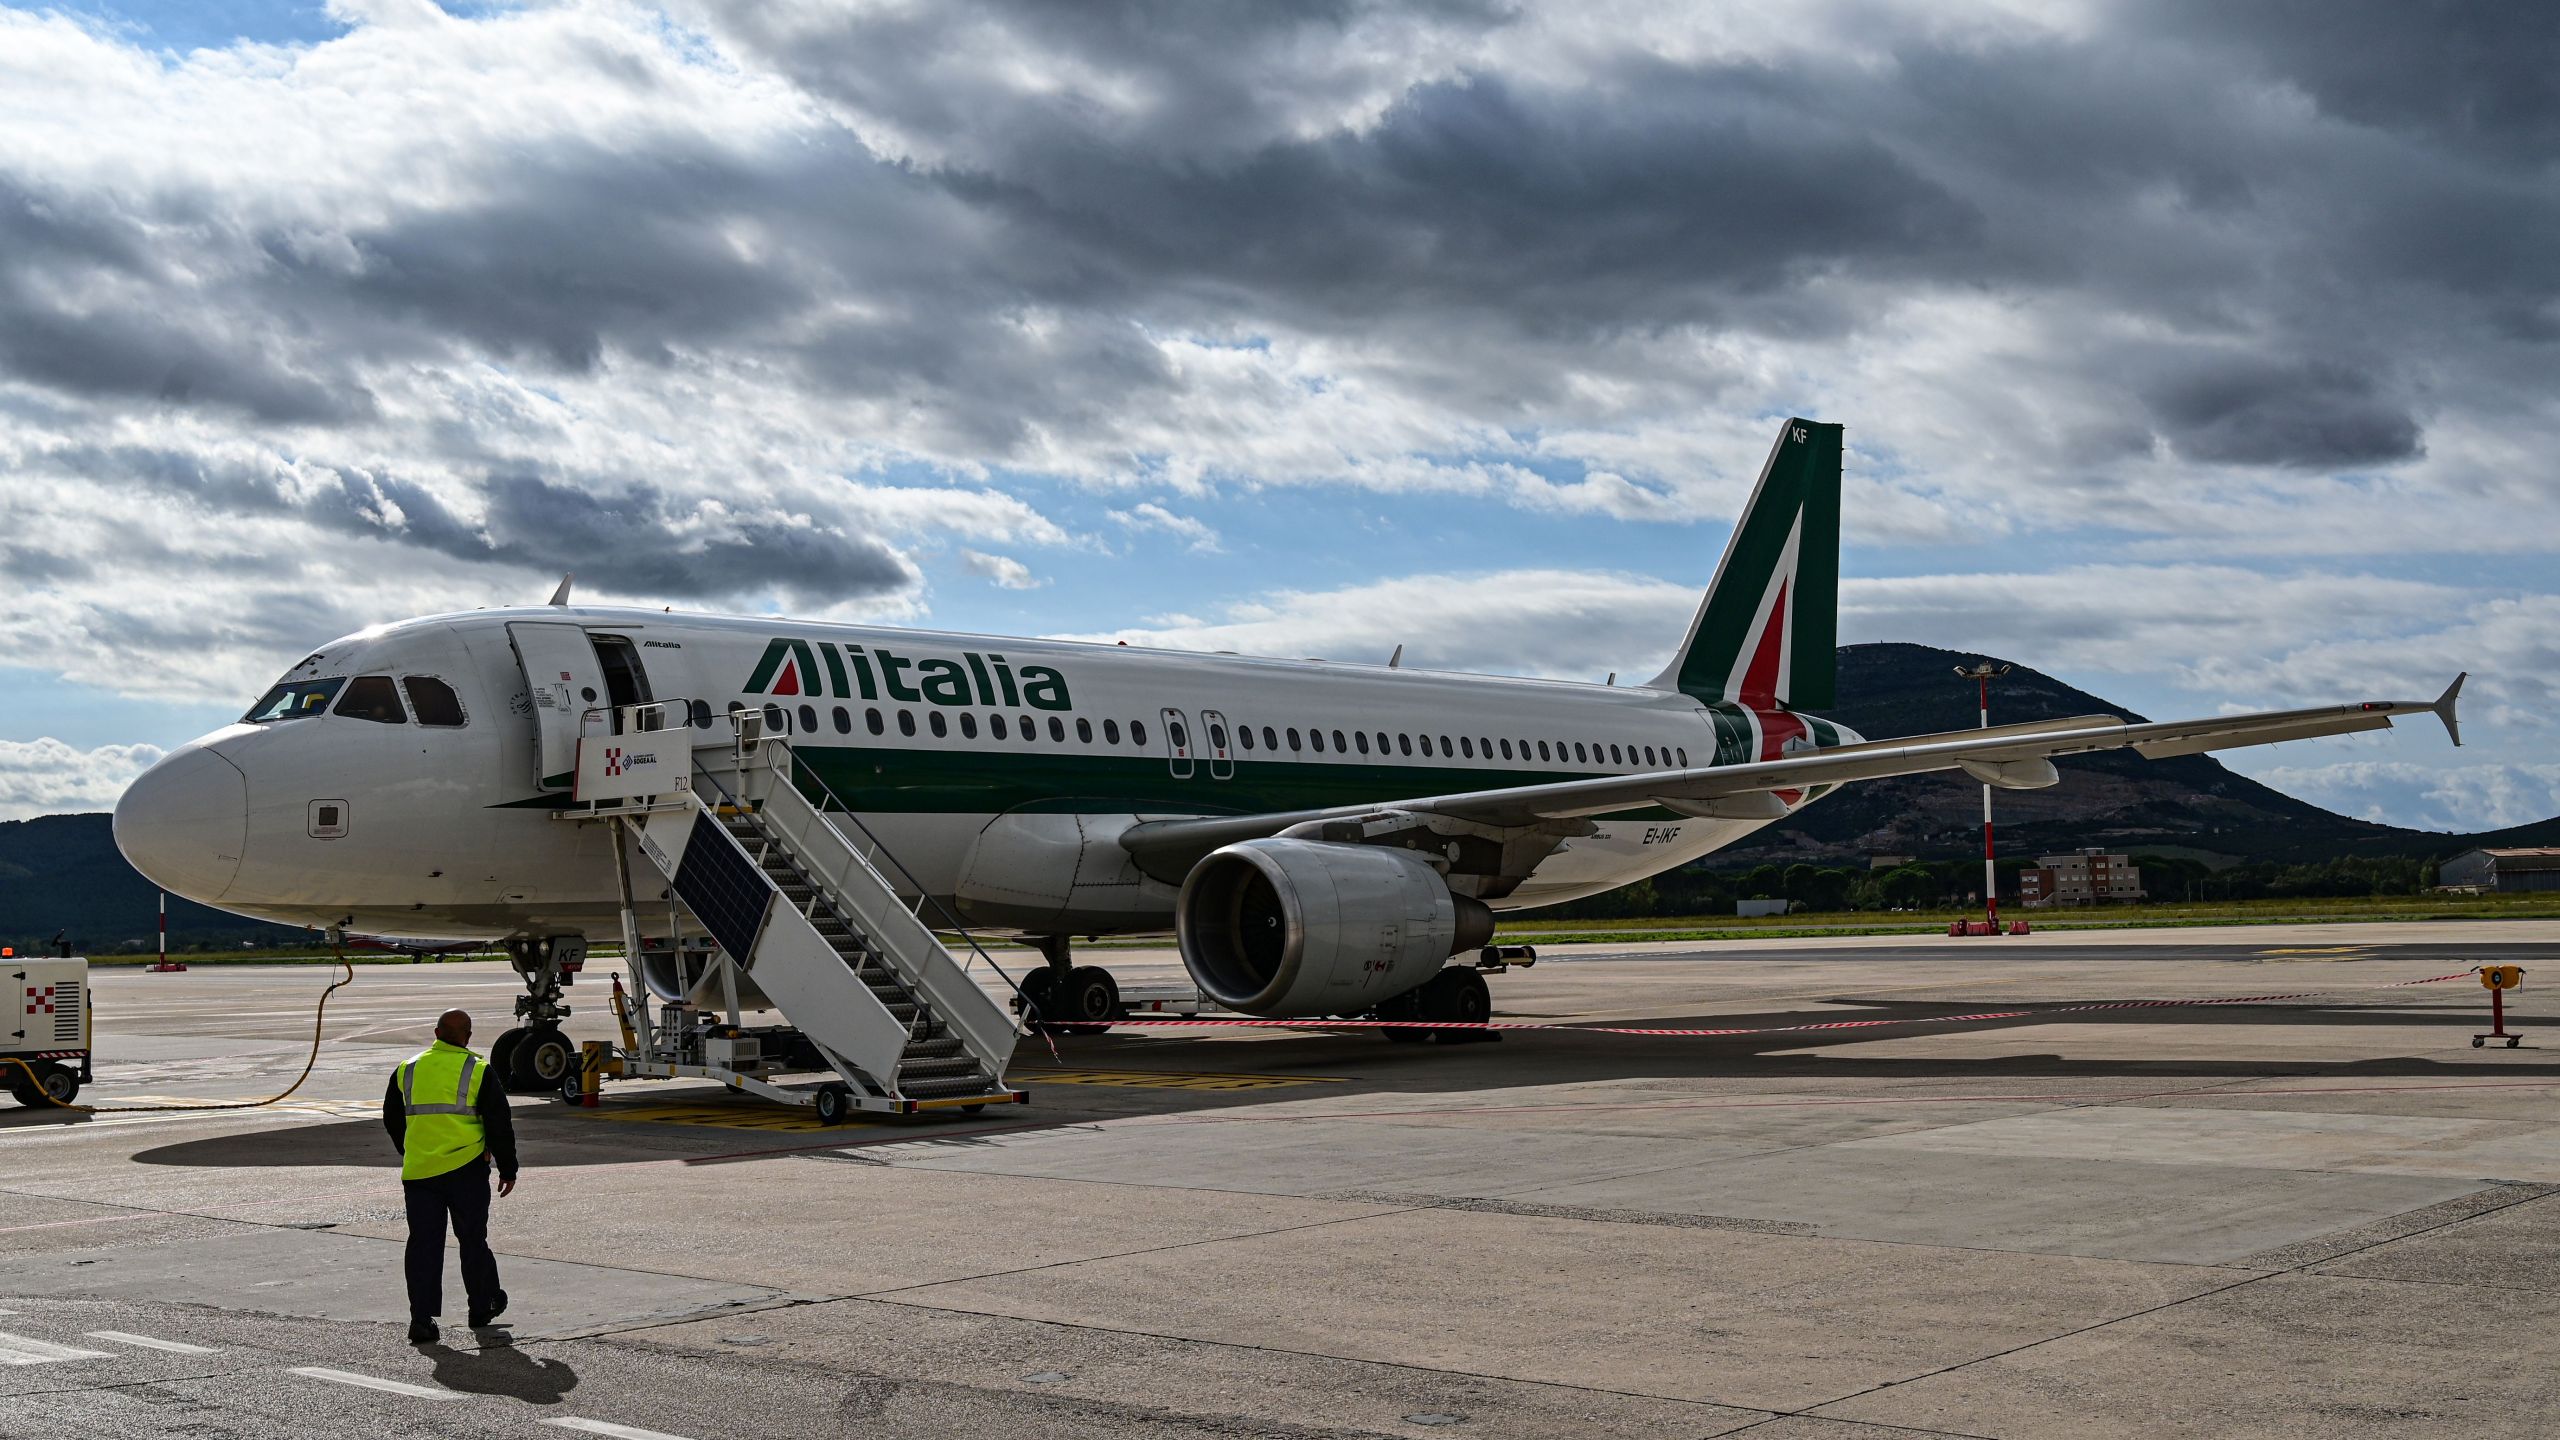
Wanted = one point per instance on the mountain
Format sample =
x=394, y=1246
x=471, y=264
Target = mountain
x=63, y=872
x=2188, y=805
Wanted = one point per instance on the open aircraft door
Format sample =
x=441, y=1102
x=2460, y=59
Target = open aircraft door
x=563, y=678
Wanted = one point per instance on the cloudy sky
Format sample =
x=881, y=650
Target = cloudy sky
x=2204, y=355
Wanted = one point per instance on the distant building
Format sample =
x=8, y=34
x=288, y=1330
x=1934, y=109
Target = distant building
x=1752, y=909
x=2091, y=877
x=1889, y=862
x=2532, y=868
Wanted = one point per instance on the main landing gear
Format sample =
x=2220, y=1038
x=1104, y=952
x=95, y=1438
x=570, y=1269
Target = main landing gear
x=1455, y=996
x=535, y=1057
x=1069, y=998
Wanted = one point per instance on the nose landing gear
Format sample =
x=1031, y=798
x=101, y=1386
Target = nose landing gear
x=535, y=1056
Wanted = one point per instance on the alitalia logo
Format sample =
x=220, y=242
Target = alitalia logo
x=821, y=668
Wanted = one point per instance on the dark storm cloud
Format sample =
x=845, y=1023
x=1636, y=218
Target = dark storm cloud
x=2256, y=412
x=1479, y=232
x=635, y=537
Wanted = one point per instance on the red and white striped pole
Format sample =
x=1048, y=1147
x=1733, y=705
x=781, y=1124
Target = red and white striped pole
x=1981, y=675
x=164, y=929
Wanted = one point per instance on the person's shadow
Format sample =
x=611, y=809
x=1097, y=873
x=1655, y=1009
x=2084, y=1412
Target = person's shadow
x=502, y=1369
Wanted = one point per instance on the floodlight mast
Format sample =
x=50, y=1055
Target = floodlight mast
x=1982, y=675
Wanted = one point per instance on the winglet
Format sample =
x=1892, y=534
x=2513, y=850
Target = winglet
x=2444, y=707
x=561, y=595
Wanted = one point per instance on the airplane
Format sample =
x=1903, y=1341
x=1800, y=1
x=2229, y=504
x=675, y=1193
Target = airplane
x=1321, y=837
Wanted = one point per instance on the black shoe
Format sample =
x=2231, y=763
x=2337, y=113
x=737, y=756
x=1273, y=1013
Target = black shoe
x=422, y=1332
x=480, y=1317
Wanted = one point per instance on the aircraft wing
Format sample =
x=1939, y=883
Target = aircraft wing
x=2011, y=756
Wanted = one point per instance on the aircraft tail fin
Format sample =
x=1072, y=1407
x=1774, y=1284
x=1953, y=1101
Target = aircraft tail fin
x=1768, y=629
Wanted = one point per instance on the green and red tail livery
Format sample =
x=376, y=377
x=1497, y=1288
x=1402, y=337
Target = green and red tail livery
x=1766, y=632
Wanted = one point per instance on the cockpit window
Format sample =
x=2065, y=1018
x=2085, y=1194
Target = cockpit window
x=293, y=700
x=372, y=697
x=432, y=699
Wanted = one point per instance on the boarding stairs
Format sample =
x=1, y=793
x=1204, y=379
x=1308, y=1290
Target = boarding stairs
x=808, y=918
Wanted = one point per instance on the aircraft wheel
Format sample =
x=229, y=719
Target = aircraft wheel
x=543, y=1058
x=2515, y=1042
x=502, y=1053
x=1459, y=996
x=1040, y=995
x=1404, y=1007
x=2477, y=1042
x=1092, y=1000
x=835, y=1103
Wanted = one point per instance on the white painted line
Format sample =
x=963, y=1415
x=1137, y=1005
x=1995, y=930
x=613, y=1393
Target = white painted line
x=20, y=1350
x=369, y=1382
x=174, y=1347
x=601, y=1427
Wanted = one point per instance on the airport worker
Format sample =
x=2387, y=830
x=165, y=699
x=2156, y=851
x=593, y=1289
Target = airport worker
x=449, y=1117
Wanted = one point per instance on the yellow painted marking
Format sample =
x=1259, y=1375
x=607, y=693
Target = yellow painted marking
x=1172, y=1080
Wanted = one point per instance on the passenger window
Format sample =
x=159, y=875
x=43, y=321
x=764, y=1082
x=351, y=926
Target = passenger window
x=995, y=726
x=844, y=721
x=774, y=720
x=1339, y=747
x=1217, y=737
x=1684, y=757
x=1293, y=737
x=1542, y=751
x=968, y=725
x=1616, y=758
x=1057, y=730
x=1447, y=749
x=372, y=697
x=1579, y=757
x=1111, y=732
x=1084, y=730
x=808, y=719
x=1363, y=737
x=871, y=720
x=1382, y=744
x=1648, y=755
x=1270, y=740
x=1315, y=740
x=1137, y=732
x=941, y=727
x=432, y=701
x=1405, y=743
x=1244, y=733
x=701, y=714
x=906, y=722
x=1506, y=749
x=1466, y=747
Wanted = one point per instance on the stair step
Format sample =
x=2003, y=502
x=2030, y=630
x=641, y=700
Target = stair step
x=939, y=1047
x=936, y=1067
x=944, y=1089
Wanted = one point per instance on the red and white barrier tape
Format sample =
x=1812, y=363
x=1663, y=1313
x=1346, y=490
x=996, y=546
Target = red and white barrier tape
x=1816, y=1027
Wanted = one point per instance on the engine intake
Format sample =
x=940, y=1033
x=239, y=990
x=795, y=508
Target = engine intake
x=1308, y=927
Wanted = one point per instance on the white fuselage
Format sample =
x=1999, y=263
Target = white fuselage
x=932, y=740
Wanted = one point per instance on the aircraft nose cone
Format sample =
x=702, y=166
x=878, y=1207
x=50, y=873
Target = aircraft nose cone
x=183, y=824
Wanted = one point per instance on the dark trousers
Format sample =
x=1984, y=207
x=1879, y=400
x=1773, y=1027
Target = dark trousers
x=461, y=1195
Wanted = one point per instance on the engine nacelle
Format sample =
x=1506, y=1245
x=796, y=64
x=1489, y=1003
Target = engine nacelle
x=1308, y=927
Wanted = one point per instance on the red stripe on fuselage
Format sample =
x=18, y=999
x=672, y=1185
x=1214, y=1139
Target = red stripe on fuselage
x=1777, y=727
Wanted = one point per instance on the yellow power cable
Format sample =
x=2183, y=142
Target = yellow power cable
x=319, y=1017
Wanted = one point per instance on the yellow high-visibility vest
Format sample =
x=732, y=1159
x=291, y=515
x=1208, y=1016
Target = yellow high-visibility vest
x=437, y=1088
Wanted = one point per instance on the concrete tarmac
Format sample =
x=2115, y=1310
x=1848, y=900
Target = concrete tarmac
x=2324, y=1216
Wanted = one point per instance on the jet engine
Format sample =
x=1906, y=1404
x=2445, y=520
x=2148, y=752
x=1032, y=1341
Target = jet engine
x=1308, y=927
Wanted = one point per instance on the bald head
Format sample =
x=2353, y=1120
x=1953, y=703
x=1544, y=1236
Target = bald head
x=453, y=1027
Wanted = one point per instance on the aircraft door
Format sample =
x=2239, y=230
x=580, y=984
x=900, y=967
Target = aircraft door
x=1222, y=759
x=1177, y=742
x=564, y=680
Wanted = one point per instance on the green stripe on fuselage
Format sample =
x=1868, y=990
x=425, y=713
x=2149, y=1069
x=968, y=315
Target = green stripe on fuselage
x=887, y=780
